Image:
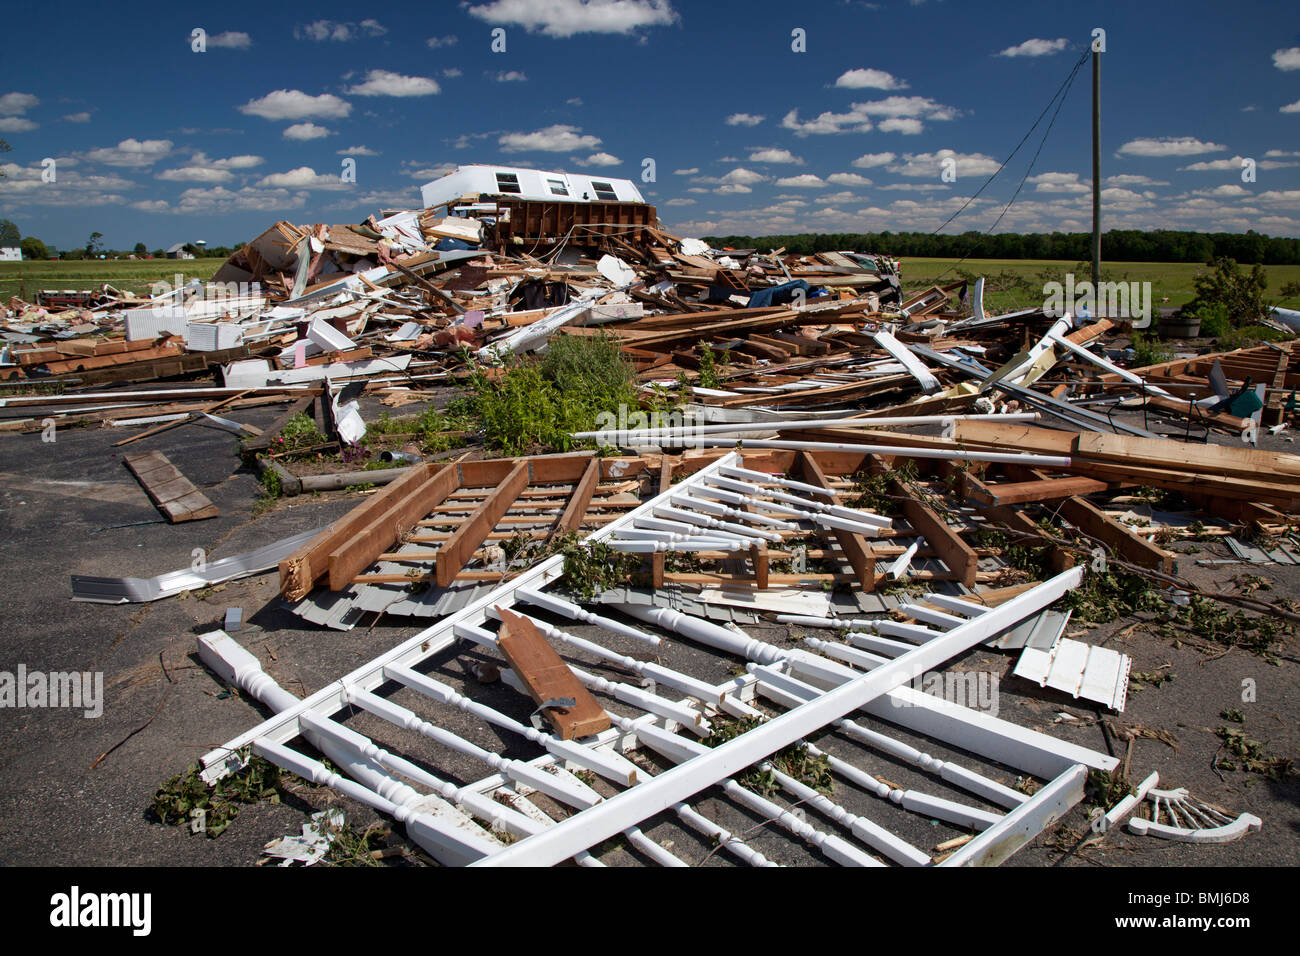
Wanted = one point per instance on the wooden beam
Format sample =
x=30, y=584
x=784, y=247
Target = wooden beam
x=299, y=571
x=1095, y=523
x=453, y=556
x=1039, y=489
x=580, y=500
x=854, y=546
x=360, y=550
x=1016, y=520
x=955, y=553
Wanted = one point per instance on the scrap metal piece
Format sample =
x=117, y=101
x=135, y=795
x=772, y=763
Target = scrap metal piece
x=143, y=590
x=1079, y=669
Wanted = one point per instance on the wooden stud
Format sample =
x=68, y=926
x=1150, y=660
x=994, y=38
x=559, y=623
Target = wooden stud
x=955, y=553
x=359, y=551
x=854, y=546
x=469, y=536
x=580, y=500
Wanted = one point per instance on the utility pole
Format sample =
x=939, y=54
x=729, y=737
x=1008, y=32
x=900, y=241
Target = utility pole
x=1096, y=168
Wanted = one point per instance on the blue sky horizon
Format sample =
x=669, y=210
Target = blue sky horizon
x=754, y=118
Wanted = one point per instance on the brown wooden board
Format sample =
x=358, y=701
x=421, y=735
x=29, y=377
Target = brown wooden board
x=547, y=678
x=1095, y=523
x=959, y=557
x=579, y=499
x=1039, y=489
x=299, y=571
x=173, y=493
x=360, y=551
x=854, y=546
x=454, y=555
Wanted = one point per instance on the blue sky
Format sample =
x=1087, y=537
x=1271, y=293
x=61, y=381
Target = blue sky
x=154, y=142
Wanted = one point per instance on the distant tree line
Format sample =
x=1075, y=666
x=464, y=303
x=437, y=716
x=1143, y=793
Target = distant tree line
x=33, y=248
x=1118, y=245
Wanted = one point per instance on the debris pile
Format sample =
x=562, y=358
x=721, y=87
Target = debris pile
x=796, y=483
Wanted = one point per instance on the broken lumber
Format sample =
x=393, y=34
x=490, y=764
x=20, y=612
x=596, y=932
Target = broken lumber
x=173, y=493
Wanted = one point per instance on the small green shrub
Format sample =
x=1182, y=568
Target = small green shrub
x=542, y=401
x=1147, y=351
x=1241, y=293
x=299, y=432
x=1214, y=319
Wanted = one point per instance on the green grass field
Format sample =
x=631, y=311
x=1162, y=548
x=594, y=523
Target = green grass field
x=1009, y=283
x=25, y=279
x=1018, y=283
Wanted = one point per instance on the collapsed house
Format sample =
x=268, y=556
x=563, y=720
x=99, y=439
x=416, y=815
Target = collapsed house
x=868, y=464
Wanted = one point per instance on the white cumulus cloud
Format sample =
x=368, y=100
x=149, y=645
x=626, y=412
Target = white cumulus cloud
x=1288, y=59
x=566, y=18
x=848, y=179
x=598, y=159
x=1035, y=47
x=14, y=104
x=774, y=156
x=804, y=181
x=1169, y=146
x=552, y=139
x=869, y=160
x=131, y=152
x=295, y=104
x=869, y=79
x=305, y=131
x=230, y=40
x=387, y=83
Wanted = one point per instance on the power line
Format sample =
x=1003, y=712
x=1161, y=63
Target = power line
x=1064, y=87
x=1059, y=99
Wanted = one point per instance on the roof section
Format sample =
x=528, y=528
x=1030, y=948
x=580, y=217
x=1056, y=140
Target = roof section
x=538, y=184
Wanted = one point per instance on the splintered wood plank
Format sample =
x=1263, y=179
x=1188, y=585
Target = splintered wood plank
x=975, y=490
x=547, y=677
x=360, y=550
x=173, y=493
x=454, y=555
x=1095, y=523
x=854, y=546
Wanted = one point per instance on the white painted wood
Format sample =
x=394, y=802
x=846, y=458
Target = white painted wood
x=901, y=564
x=943, y=454
x=680, y=782
x=915, y=367
x=1023, y=823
